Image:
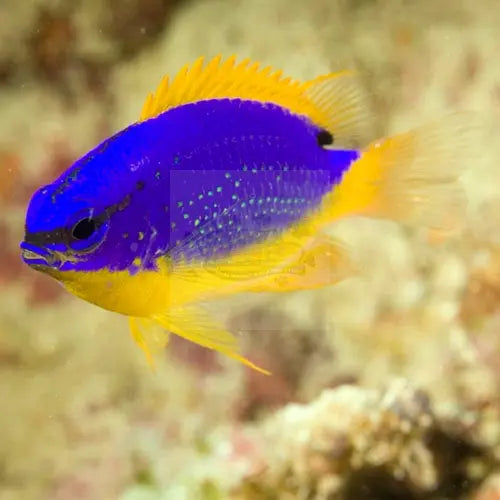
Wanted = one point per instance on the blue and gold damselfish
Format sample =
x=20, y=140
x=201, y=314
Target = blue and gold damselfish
x=224, y=186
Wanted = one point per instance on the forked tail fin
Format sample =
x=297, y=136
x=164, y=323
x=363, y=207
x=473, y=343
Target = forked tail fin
x=412, y=178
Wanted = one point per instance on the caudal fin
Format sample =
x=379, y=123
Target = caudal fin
x=412, y=177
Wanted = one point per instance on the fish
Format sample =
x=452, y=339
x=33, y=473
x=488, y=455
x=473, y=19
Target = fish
x=226, y=184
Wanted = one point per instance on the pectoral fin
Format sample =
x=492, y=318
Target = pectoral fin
x=243, y=268
x=322, y=262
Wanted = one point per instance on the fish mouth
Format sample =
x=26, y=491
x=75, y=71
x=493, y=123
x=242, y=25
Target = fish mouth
x=37, y=257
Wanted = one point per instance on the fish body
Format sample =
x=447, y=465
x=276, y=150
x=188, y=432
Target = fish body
x=211, y=169
x=224, y=186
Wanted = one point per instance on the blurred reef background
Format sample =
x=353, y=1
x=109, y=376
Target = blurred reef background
x=386, y=386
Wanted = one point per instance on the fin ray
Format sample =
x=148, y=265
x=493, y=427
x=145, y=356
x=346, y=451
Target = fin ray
x=412, y=177
x=333, y=101
x=255, y=261
x=345, y=107
x=322, y=262
x=148, y=338
x=196, y=325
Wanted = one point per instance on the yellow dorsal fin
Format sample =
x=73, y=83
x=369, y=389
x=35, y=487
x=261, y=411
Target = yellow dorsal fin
x=344, y=106
x=333, y=101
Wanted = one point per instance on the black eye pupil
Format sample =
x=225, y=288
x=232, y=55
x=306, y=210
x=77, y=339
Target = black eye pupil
x=84, y=229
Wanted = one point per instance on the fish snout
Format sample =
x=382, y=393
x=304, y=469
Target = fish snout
x=35, y=256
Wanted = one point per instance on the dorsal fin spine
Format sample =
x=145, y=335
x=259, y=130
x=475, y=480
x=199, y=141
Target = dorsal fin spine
x=329, y=101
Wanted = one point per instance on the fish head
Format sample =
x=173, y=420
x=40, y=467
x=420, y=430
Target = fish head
x=98, y=215
x=62, y=231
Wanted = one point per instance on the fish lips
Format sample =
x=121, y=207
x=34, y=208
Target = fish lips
x=37, y=257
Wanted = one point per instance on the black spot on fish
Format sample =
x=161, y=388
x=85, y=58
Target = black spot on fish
x=140, y=185
x=324, y=138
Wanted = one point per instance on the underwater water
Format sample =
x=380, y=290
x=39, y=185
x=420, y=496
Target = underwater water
x=385, y=386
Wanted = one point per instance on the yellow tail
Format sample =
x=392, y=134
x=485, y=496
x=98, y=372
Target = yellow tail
x=411, y=177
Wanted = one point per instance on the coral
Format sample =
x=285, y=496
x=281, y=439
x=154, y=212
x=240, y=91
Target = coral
x=353, y=443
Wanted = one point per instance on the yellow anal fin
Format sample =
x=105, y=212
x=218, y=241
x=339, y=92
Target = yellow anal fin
x=322, y=262
x=148, y=337
x=195, y=324
x=411, y=178
x=334, y=101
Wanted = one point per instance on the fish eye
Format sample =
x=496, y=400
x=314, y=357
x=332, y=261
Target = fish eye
x=84, y=229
